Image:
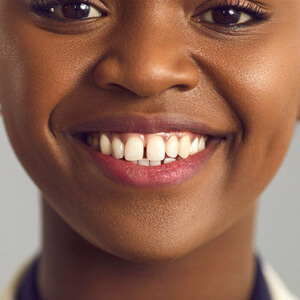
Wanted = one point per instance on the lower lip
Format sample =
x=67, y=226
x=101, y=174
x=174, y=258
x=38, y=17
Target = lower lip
x=135, y=175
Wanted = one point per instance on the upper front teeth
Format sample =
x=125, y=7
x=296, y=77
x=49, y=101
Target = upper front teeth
x=172, y=146
x=156, y=148
x=134, y=149
x=148, y=149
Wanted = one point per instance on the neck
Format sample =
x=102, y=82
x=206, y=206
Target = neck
x=72, y=268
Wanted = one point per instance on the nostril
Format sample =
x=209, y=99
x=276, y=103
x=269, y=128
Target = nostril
x=181, y=87
x=141, y=93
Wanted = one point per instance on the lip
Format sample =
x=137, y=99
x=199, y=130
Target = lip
x=145, y=124
x=130, y=174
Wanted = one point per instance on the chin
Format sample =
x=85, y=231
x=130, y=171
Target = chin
x=145, y=254
x=150, y=247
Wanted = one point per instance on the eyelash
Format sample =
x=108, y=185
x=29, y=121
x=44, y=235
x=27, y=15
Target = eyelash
x=241, y=5
x=41, y=7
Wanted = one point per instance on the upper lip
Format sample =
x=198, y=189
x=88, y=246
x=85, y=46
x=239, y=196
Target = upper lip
x=146, y=124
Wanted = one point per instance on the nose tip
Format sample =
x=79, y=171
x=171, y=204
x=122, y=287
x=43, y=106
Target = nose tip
x=147, y=74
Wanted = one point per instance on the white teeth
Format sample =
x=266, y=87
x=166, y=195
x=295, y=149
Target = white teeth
x=172, y=146
x=143, y=162
x=194, y=147
x=105, y=144
x=184, y=146
x=134, y=149
x=117, y=148
x=154, y=163
x=202, y=144
x=156, y=148
x=169, y=160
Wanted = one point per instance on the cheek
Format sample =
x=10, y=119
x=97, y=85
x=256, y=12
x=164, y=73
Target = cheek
x=39, y=75
x=262, y=86
x=38, y=71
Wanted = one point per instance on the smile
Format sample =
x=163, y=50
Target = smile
x=147, y=152
x=148, y=149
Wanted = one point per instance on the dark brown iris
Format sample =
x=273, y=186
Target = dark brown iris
x=76, y=10
x=225, y=16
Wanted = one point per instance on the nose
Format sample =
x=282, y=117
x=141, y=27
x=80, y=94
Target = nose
x=147, y=65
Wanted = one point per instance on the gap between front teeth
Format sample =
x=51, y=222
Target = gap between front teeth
x=150, y=149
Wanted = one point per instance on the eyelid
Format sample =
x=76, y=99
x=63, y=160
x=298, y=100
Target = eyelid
x=39, y=5
x=255, y=12
x=243, y=4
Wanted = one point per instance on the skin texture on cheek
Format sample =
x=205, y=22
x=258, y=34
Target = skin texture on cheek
x=265, y=104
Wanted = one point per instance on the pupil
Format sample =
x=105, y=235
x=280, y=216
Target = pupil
x=226, y=16
x=76, y=10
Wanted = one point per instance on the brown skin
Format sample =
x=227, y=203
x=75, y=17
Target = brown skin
x=189, y=241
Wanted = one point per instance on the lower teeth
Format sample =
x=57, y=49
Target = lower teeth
x=148, y=163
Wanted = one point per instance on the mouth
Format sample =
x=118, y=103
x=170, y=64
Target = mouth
x=147, y=152
x=147, y=149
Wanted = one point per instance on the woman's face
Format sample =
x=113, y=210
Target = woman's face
x=150, y=66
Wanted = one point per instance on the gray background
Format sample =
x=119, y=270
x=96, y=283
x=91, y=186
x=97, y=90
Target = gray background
x=278, y=224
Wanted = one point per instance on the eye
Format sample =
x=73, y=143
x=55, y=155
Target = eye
x=225, y=16
x=75, y=11
x=233, y=14
x=72, y=10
